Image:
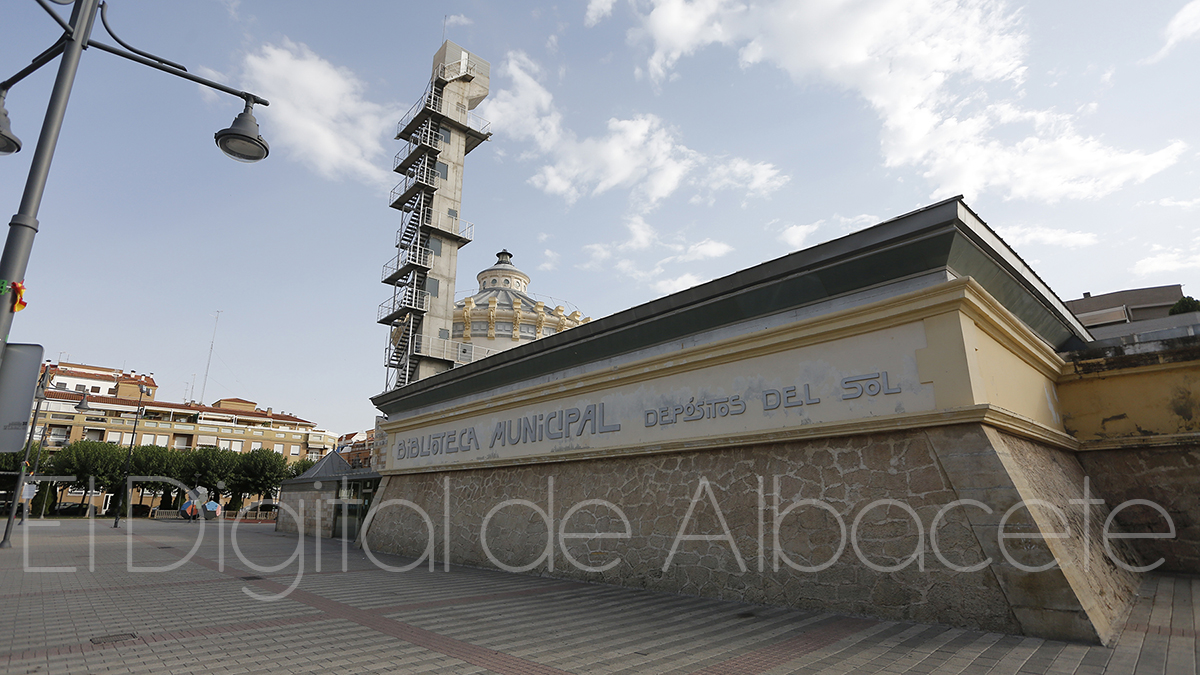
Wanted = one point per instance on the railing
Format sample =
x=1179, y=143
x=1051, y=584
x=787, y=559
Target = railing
x=432, y=101
x=407, y=297
x=427, y=136
x=449, y=71
x=417, y=255
x=456, y=226
x=417, y=174
x=478, y=123
x=441, y=348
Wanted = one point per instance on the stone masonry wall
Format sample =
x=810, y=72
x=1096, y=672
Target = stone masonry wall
x=1169, y=477
x=1101, y=585
x=658, y=494
x=314, y=516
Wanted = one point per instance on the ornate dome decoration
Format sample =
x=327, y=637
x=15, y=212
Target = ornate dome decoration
x=502, y=314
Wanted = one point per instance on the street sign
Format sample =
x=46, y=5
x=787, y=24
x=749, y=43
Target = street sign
x=18, y=380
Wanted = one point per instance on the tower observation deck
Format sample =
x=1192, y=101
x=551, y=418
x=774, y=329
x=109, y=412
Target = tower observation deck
x=438, y=132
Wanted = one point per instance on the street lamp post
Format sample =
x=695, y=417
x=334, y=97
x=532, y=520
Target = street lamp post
x=240, y=141
x=137, y=415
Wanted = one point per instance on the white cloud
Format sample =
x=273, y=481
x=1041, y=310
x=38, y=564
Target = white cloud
x=641, y=234
x=703, y=250
x=1170, y=261
x=458, y=20
x=597, y=10
x=1185, y=25
x=755, y=180
x=795, y=235
x=1186, y=204
x=319, y=114
x=937, y=73
x=551, y=262
x=1018, y=235
x=209, y=94
x=641, y=154
x=679, y=283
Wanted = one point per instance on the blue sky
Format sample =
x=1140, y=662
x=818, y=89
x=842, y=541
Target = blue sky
x=639, y=148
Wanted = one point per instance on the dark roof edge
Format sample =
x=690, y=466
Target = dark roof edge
x=949, y=214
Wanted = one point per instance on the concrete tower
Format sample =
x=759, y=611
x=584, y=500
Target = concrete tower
x=438, y=132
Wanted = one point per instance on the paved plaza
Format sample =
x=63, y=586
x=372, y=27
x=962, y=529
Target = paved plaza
x=200, y=617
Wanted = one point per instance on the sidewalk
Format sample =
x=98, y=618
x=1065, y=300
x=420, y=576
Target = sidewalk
x=200, y=618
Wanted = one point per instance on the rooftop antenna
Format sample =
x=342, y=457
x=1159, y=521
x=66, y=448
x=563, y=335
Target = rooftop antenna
x=445, y=17
x=210, y=351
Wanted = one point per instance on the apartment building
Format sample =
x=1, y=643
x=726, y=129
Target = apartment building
x=112, y=401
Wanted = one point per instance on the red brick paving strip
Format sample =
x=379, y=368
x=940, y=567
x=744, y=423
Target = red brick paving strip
x=772, y=656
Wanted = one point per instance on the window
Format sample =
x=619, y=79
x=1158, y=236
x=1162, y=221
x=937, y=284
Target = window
x=443, y=170
x=237, y=446
x=435, y=245
x=445, y=134
x=443, y=333
x=95, y=390
x=279, y=448
x=80, y=387
x=431, y=285
x=453, y=213
x=258, y=432
x=295, y=450
x=255, y=445
x=296, y=437
x=112, y=390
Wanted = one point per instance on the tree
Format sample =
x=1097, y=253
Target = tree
x=154, y=460
x=299, y=467
x=104, y=462
x=11, y=461
x=217, y=468
x=1185, y=304
x=259, y=472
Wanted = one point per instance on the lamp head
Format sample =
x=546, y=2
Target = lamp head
x=241, y=140
x=9, y=143
x=83, y=406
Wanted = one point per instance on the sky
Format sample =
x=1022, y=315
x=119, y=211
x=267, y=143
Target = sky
x=639, y=148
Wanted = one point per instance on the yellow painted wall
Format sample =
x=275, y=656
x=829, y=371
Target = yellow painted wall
x=1132, y=404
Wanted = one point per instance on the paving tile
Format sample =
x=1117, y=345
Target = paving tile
x=353, y=617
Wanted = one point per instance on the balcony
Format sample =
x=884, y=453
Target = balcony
x=461, y=229
x=431, y=104
x=425, y=139
x=405, y=301
x=418, y=178
x=463, y=69
x=407, y=260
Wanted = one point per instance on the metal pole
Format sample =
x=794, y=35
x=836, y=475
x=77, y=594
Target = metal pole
x=24, y=225
x=12, y=512
x=137, y=415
